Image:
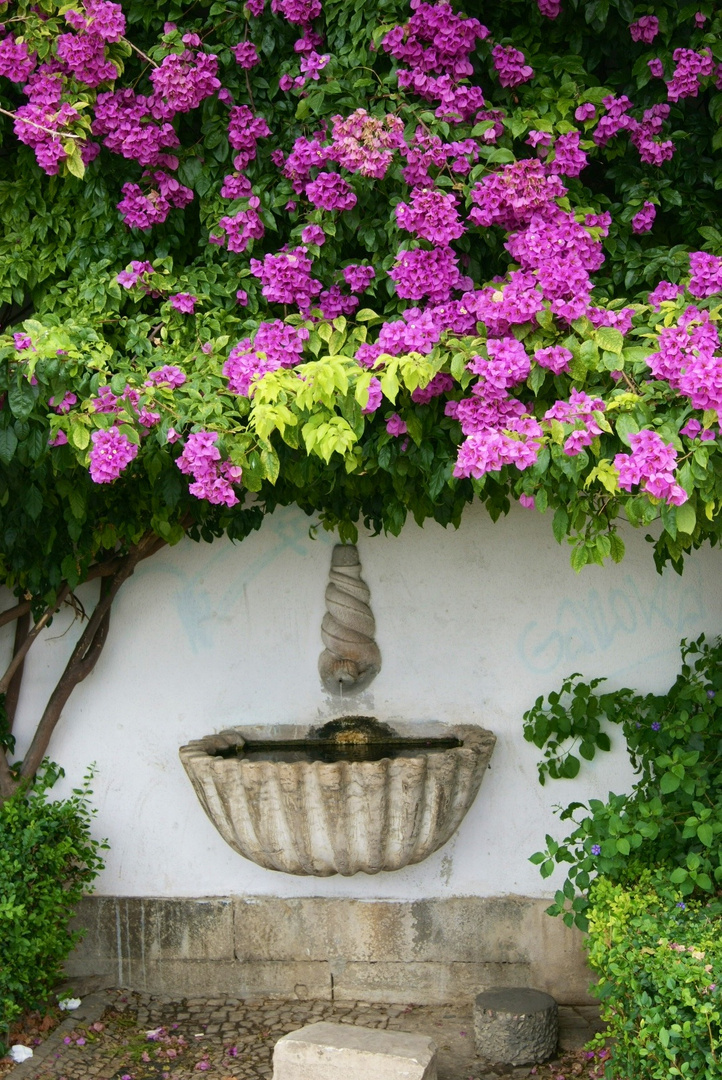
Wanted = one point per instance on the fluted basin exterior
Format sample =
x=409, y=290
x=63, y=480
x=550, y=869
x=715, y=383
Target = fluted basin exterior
x=322, y=818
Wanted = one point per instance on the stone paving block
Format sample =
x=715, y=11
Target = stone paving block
x=327, y=1051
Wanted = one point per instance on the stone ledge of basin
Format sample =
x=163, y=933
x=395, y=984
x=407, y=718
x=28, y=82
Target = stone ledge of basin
x=339, y=823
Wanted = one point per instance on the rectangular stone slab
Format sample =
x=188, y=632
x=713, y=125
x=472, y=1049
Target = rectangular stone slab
x=343, y=1052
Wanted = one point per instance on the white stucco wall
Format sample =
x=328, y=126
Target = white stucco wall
x=472, y=626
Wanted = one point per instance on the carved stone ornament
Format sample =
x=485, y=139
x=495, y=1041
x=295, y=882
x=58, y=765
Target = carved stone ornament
x=323, y=817
x=351, y=658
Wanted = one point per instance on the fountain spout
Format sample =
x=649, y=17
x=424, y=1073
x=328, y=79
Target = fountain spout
x=351, y=658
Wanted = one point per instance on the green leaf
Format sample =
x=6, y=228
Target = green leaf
x=33, y=501
x=21, y=399
x=705, y=832
x=616, y=548
x=686, y=518
x=609, y=339
x=560, y=524
x=579, y=558
x=74, y=163
x=78, y=436
x=8, y=445
x=625, y=426
x=668, y=783
x=271, y=464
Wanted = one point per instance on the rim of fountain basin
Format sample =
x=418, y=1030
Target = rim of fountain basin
x=304, y=817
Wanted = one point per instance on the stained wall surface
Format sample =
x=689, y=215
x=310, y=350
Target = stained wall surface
x=472, y=625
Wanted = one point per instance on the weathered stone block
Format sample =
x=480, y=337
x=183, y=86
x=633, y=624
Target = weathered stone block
x=429, y=950
x=343, y=1052
x=515, y=1025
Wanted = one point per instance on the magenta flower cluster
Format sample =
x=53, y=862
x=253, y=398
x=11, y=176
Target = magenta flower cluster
x=330, y=191
x=436, y=44
x=213, y=479
x=366, y=144
x=275, y=345
x=690, y=359
x=286, y=278
x=511, y=66
x=110, y=454
x=578, y=411
x=432, y=216
x=650, y=465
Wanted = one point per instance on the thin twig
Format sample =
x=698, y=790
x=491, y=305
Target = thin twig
x=40, y=127
x=140, y=52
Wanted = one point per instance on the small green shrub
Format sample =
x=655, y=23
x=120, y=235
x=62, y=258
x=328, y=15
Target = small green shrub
x=48, y=859
x=672, y=819
x=659, y=961
x=645, y=868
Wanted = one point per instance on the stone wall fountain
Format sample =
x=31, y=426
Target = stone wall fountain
x=353, y=795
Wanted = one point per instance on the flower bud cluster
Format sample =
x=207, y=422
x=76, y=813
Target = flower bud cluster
x=242, y=227
x=498, y=429
x=642, y=133
x=642, y=222
x=706, y=277
x=434, y=274
x=689, y=66
x=645, y=29
x=244, y=131
x=330, y=191
x=511, y=65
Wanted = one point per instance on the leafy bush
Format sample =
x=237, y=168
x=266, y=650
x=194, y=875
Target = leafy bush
x=672, y=819
x=48, y=859
x=659, y=961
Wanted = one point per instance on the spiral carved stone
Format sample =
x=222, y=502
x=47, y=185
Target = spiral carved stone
x=351, y=658
x=322, y=818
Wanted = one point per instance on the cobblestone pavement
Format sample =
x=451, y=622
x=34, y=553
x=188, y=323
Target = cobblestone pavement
x=121, y=1035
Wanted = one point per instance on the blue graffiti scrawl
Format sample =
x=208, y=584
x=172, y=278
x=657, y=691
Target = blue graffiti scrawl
x=593, y=622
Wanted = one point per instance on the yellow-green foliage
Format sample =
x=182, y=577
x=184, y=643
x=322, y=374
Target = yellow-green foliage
x=659, y=961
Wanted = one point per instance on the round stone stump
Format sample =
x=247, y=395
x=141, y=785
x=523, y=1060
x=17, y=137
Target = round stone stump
x=515, y=1025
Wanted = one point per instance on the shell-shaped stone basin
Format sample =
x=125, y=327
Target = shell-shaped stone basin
x=323, y=817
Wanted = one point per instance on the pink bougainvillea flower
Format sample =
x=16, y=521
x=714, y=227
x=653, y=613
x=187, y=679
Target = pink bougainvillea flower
x=184, y=302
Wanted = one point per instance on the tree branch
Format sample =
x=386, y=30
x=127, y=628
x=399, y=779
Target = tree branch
x=8, y=783
x=85, y=654
x=22, y=652
x=14, y=613
x=22, y=628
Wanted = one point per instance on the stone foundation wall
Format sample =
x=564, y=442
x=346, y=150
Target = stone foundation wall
x=425, y=952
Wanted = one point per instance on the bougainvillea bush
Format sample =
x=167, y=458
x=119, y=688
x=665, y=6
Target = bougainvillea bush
x=376, y=258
